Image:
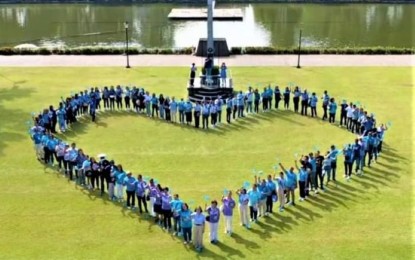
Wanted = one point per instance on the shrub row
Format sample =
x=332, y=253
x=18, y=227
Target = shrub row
x=234, y=51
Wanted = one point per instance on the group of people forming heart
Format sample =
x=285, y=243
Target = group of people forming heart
x=167, y=209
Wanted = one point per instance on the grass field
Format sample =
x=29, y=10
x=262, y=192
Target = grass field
x=45, y=216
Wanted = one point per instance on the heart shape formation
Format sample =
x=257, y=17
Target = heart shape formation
x=77, y=106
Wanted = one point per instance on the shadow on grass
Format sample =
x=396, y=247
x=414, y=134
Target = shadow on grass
x=13, y=119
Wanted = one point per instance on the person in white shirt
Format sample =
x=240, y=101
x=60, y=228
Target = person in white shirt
x=349, y=115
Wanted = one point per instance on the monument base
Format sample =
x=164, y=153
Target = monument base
x=220, y=44
x=210, y=88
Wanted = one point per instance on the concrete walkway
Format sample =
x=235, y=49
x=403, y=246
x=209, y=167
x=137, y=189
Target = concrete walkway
x=186, y=60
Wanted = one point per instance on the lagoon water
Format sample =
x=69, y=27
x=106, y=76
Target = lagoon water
x=323, y=25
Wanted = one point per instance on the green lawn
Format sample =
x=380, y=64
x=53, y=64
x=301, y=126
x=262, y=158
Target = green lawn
x=44, y=216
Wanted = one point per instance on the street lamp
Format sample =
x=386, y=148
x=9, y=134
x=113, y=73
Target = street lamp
x=299, y=50
x=126, y=44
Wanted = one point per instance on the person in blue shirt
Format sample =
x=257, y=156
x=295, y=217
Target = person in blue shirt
x=270, y=93
x=51, y=144
x=243, y=207
x=219, y=104
x=264, y=191
x=140, y=191
x=356, y=156
x=199, y=228
x=173, y=110
x=332, y=110
x=304, y=102
x=290, y=184
x=303, y=176
x=176, y=207
x=127, y=98
x=272, y=192
x=185, y=216
x=214, y=113
x=154, y=105
x=249, y=100
x=188, y=112
x=214, y=215
x=166, y=208
x=240, y=100
x=326, y=99
x=223, y=72
x=205, y=115
x=313, y=104
x=348, y=161
x=130, y=184
x=118, y=96
x=254, y=197
x=119, y=182
x=333, y=158
x=235, y=106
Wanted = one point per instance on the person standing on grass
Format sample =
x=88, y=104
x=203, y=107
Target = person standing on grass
x=343, y=114
x=166, y=105
x=277, y=95
x=127, y=98
x=326, y=99
x=240, y=99
x=355, y=117
x=264, y=96
x=205, y=115
x=166, y=209
x=188, y=112
x=249, y=100
x=197, y=110
x=157, y=205
x=356, y=155
x=176, y=207
x=304, y=102
x=263, y=189
x=290, y=184
x=254, y=198
x=61, y=114
x=235, y=106
x=214, y=114
x=185, y=217
x=349, y=116
x=333, y=166
x=119, y=182
x=327, y=167
x=111, y=181
x=286, y=95
x=118, y=96
x=161, y=106
x=140, y=191
x=332, y=110
x=227, y=210
x=199, y=228
x=60, y=152
x=152, y=194
x=79, y=171
x=154, y=105
x=214, y=215
x=219, y=104
x=130, y=186
x=72, y=155
x=228, y=109
x=313, y=104
x=281, y=190
x=296, y=98
x=272, y=192
x=270, y=93
x=112, y=97
x=303, y=176
x=257, y=98
x=173, y=110
x=243, y=207
x=147, y=102
x=51, y=144
x=87, y=170
x=381, y=133
x=94, y=174
x=348, y=162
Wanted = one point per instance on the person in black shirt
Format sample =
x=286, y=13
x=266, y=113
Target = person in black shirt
x=319, y=170
x=343, y=113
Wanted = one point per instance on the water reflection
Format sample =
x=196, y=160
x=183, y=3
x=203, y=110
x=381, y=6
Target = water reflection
x=263, y=25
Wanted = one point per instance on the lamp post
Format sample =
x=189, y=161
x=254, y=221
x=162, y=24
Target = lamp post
x=299, y=50
x=126, y=44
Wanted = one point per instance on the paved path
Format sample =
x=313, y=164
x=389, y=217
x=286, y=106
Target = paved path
x=186, y=60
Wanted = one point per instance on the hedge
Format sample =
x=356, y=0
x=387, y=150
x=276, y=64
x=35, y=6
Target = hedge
x=187, y=51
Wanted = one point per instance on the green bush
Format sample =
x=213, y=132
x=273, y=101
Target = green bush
x=188, y=51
